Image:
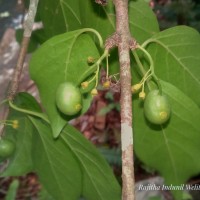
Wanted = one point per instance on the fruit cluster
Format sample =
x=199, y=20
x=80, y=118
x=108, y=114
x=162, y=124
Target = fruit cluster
x=69, y=97
x=156, y=105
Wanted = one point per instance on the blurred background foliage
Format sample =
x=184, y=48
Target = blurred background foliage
x=177, y=12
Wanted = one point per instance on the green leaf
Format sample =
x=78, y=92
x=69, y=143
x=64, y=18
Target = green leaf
x=68, y=15
x=71, y=166
x=21, y=161
x=44, y=195
x=59, y=16
x=62, y=58
x=74, y=14
x=96, y=171
x=97, y=17
x=143, y=25
x=55, y=164
x=12, y=191
x=173, y=148
x=142, y=21
x=176, y=54
x=26, y=101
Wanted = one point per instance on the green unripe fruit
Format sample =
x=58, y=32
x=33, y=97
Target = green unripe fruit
x=156, y=107
x=7, y=148
x=68, y=98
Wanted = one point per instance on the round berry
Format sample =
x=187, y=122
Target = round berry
x=7, y=148
x=68, y=98
x=156, y=108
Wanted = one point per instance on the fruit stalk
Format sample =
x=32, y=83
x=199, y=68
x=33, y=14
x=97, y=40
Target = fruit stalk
x=122, y=30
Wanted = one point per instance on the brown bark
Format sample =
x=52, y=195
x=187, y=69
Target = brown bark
x=122, y=30
x=18, y=69
x=28, y=25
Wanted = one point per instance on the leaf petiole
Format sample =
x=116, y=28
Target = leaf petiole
x=36, y=114
x=148, y=56
x=96, y=33
x=151, y=67
x=141, y=68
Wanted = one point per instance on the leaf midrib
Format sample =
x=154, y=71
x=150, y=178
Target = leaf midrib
x=170, y=154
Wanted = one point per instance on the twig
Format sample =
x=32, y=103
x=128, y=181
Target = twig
x=28, y=25
x=122, y=29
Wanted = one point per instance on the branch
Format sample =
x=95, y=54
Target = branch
x=28, y=25
x=124, y=43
